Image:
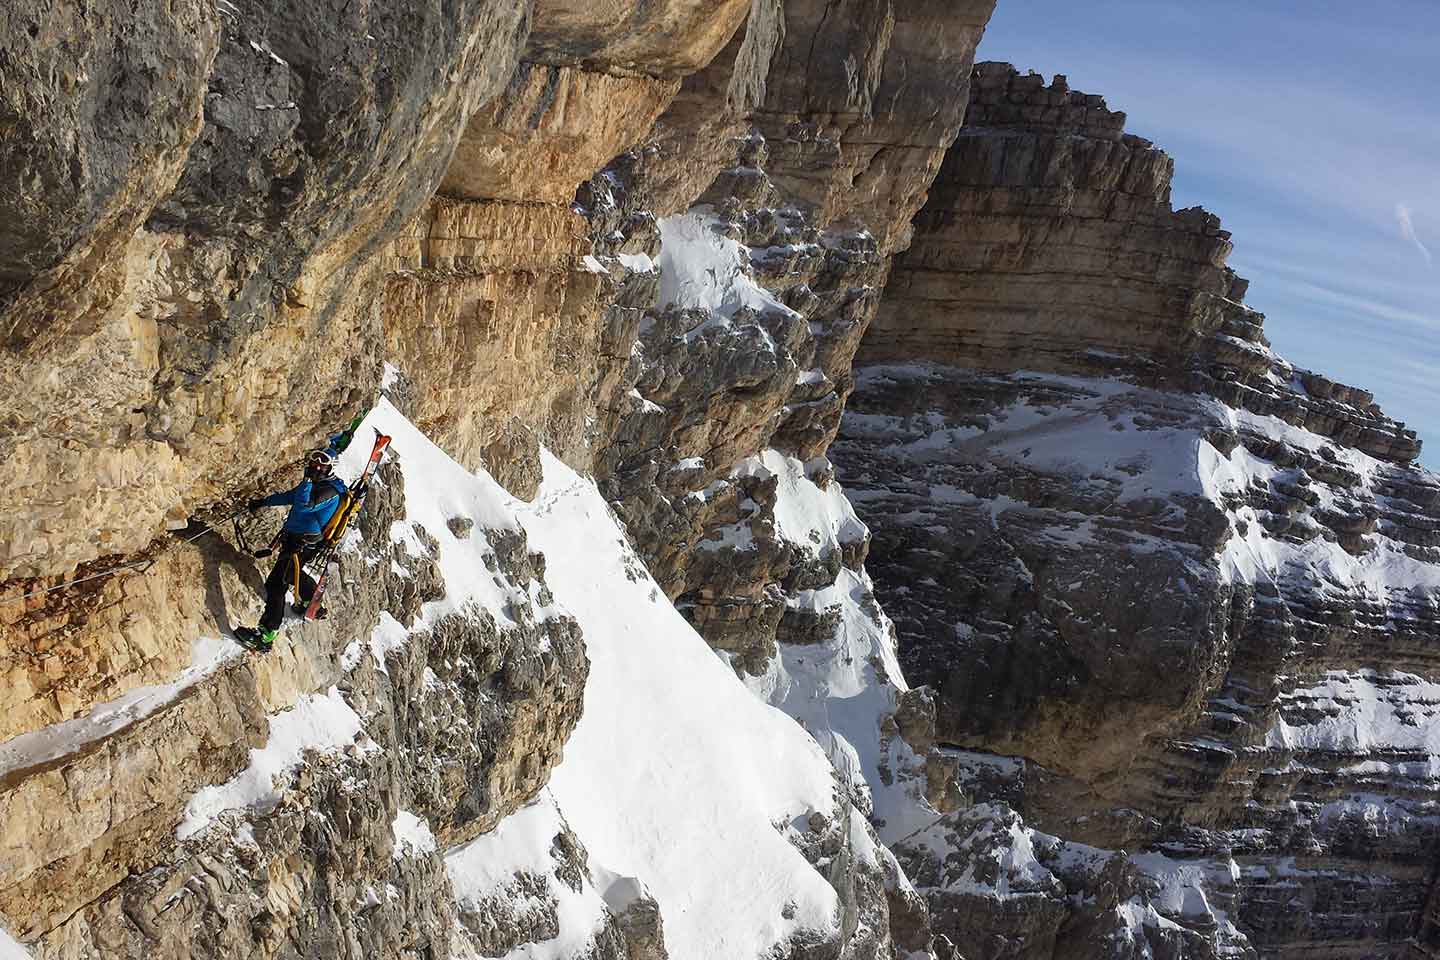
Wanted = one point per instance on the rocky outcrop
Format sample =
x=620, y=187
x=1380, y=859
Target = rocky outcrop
x=1049, y=231
x=1050, y=244
x=862, y=100
x=1168, y=588
x=508, y=341
x=1171, y=598
x=505, y=330
x=172, y=846
x=261, y=228
x=804, y=210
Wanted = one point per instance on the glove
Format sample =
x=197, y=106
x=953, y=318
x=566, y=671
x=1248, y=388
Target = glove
x=253, y=505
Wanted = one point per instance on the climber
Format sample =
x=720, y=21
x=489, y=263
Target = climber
x=312, y=503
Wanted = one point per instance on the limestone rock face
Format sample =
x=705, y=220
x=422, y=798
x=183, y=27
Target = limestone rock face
x=198, y=313
x=671, y=38
x=1172, y=593
x=741, y=320
x=78, y=192
x=1052, y=228
x=553, y=127
x=812, y=199
x=509, y=334
x=860, y=103
x=489, y=303
x=1169, y=600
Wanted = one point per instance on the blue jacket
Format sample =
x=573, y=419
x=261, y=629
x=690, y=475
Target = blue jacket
x=311, y=504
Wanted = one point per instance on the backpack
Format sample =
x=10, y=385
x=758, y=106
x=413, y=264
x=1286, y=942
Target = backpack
x=339, y=521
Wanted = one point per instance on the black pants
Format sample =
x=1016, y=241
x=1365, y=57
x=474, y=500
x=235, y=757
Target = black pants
x=287, y=574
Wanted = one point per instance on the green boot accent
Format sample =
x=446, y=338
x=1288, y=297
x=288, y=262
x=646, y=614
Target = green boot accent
x=256, y=639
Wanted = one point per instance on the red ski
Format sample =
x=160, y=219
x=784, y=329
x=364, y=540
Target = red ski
x=335, y=529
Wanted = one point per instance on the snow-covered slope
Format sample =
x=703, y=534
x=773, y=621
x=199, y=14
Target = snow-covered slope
x=677, y=787
x=677, y=782
x=676, y=776
x=411, y=787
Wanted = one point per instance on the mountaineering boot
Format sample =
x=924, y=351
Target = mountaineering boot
x=255, y=638
x=300, y=608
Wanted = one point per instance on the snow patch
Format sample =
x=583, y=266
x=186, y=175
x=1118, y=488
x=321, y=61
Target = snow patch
x=412, y=835
x=207, y=654
x=703, y=269
x=389, y=375
x=636, y=262
x=389, y=635
x=12, y=949
x=320, y=722
x=821, y=520
x=1362, y=713
x=485, y=869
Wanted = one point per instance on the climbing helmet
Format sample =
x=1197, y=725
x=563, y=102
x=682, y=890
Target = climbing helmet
x=319, y=463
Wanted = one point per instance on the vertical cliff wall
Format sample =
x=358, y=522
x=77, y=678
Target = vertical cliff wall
x=1166, y=600
x=202, y=301
x=508, y=334
x=1172, y=592
x=285, y=199
x=810, y=197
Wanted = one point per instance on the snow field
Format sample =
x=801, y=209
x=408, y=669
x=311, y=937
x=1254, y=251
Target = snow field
x=1091, y=436
x=676, y=775
x=677, y=781
x=437, y=490
x=486, y=868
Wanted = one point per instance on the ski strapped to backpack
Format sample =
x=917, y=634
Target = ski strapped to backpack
x=350, y=503
x=338, y=443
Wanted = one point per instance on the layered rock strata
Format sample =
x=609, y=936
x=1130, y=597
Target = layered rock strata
x=1172, y=593
x=507, y=341
x=219, y=359
x=518, y=317
x=223, y=255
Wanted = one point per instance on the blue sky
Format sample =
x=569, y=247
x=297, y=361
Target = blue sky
x=1312, y=127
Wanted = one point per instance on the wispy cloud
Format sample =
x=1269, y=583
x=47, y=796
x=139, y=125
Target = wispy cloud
x=1407, y=230
x=1315, y=293
x=1263, y=129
